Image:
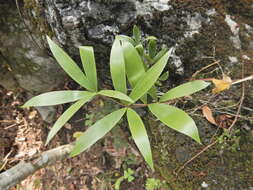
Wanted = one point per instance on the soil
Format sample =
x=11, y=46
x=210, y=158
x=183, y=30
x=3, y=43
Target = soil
x=23, y=134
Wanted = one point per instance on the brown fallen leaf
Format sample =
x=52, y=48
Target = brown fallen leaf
x=207, y=112
x=221, y=85
x=224, y=121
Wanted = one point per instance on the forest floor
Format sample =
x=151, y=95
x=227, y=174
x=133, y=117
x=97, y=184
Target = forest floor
x=23, y=134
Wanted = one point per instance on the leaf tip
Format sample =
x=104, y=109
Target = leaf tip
x=197, y=139
x=71, y=155
x=24, y=106
x=48, y=39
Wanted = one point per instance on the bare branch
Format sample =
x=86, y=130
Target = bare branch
x=24, y=169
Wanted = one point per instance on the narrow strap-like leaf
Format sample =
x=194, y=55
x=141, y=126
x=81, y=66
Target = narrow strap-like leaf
x=140, y=136
x=66, y=116
x=149, y=78
x=176, y=119
x=134, y=66
x=115, y=94
x=185, y=89
x=117, y=67
x=68, y=65
x=56, y=97
x=89, y=65
x=97, y=131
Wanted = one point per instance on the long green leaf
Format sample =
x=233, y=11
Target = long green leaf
x=97, y=131
x=115, y=94
x=149, y=78
x=140, y=136
x=185, y=89
x=176, y=119
x=68, y=65
x=89, y=65
x=117, y=67
x=134, y=66
x=56, y=97
x=67, y=115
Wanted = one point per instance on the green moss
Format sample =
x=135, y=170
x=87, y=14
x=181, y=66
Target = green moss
x=35, y=11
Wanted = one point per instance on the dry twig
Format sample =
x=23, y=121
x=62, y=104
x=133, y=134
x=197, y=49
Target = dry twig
x=176, y=172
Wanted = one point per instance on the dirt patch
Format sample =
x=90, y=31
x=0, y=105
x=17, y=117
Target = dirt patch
x=23, y=135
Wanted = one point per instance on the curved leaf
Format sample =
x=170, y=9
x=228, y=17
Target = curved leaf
x=89, y=65
x=184, y=90
x=176, y=119
x=66, y=116
x=149, y=78
x=134, y=66
x=117, y=67
x=68, y=65
x=140, y=136
x=97, y=131
x=125, y=38
x=115, y=94
x=56, y=97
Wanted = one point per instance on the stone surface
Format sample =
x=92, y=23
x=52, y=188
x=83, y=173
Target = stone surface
x=23, y=62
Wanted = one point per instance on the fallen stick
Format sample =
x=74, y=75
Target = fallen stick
x=23, y=169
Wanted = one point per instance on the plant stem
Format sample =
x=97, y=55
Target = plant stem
x=138, y=105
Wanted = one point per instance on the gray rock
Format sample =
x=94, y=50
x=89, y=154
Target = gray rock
x=23, y=61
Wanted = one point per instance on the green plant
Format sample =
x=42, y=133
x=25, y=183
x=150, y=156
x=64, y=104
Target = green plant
x=130, y=65
x=128, y=175
x=230, y=141
x=153, y=184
